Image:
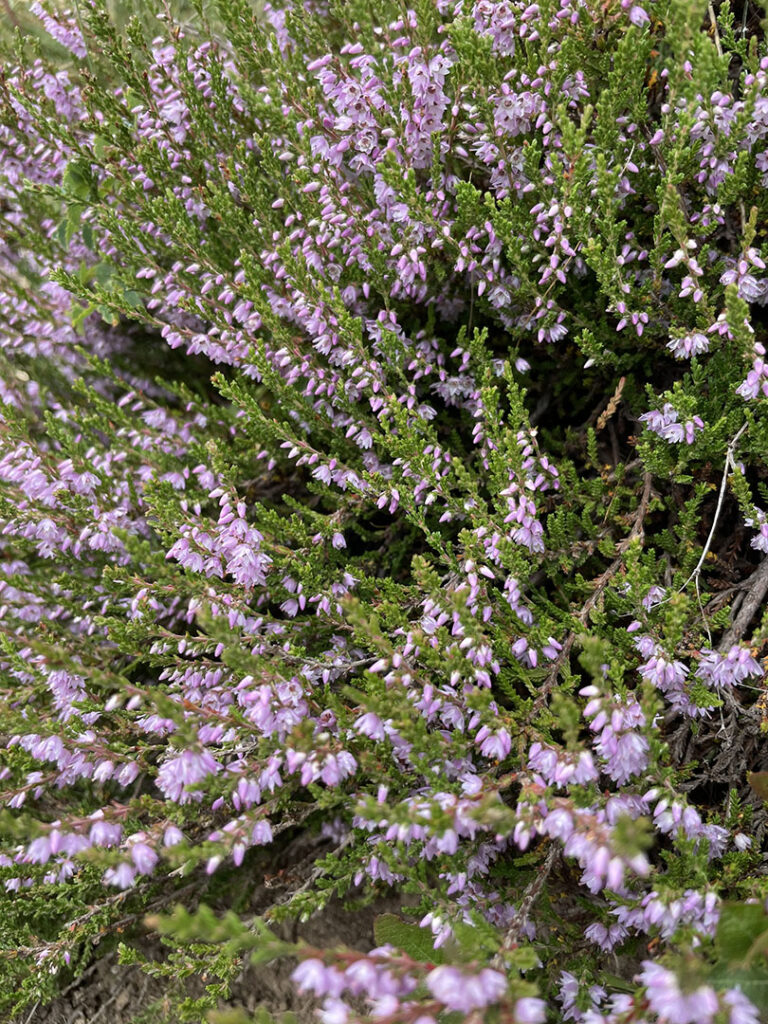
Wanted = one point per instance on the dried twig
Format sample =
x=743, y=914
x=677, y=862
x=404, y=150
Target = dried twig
x=600, y=584
x=530, y=896
x=9, y=13
x=758, y=587
x=727, y=468
x=729, y=465
x=105, y=1006
x=612, y=406
x=715, y=32
x=32, y=1013
x=637, y=531
x=317, y=871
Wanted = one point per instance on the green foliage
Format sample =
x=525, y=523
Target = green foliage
x=424, y=570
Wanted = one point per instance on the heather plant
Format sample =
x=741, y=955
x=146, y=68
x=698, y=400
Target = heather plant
x=384, y=460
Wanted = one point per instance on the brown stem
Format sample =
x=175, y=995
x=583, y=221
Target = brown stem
x=599, y=587
x=530, y=896
x=758, y=587
x=9, y=13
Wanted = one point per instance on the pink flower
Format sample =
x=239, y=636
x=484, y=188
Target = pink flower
x=670, y=1003
x=466, y=992
x=188, y=769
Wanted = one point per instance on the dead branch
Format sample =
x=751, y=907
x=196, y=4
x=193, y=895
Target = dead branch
x=600, y=584
x=530, y=896
x=758, y=587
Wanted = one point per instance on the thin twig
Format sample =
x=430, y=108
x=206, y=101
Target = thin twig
x=314, y=874
x=758, y=587
x=600, y=584
x=80, y=978
x=715, y=33
x=32, y=1013
x=16, y=24
x=105, y=1006
x=530, y=896
x=637, y=531
x=82, y=33
x=729, y=464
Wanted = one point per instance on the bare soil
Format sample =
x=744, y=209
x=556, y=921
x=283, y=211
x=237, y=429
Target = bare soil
x=110, y=993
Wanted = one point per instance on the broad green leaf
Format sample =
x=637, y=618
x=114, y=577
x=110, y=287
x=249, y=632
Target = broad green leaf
x=475, y=942
x=133, y=298
x=77, y=180
x=739, y=926
x=103, y=273
x=416, y=942
x=752, y=981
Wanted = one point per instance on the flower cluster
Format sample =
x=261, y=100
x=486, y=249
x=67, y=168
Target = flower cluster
x=367, y=378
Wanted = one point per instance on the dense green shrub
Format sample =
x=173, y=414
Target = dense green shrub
x=384, y=456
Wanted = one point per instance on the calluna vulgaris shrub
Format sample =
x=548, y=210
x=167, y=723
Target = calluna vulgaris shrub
x=385, y=459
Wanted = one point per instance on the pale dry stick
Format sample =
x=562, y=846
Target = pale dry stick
x=33, y=1011
x=715, y=33
x=530, y=896
x=729, y=464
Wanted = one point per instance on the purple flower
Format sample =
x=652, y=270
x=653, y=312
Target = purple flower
x=760, y=541
x=530, y=1010
x=666, y=425
x=493, y=745
x=514, y=112
x=104, y=833
x=370, y=725
x=670, y=1003
x=638, y=15
x=144, y=857
x=62, y=29
x=189, y=768
x=466, y=992
x=337, y=767
x=313, y=976
x=261, y=834
x=722, y=671
x=122, y=876
x=172, y=836
x=741, y=1009
x=333, y=1011
x=689, y=345
x=606, y=937
x=559, y=768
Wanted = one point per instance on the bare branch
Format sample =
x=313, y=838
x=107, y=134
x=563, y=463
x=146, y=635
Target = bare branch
x=530, y=896
x=600, y=584
x=758, y=587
